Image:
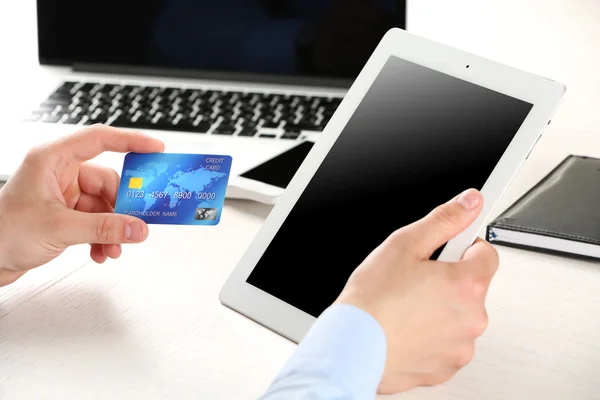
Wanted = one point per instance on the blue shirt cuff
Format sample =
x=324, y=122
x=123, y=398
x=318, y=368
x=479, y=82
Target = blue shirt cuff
x=346, y=347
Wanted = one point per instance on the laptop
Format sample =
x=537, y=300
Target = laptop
x=250, y=79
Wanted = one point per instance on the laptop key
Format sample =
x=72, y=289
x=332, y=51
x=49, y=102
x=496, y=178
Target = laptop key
x=122, y=122
x=271, y=124
x=164, y=124
x=87, y=87
x=59, y=97
x=187, y=126
x=224, y=130
x=65, y=87
x=107, y=88
x=219, y=131
x=52, y=118
x=292, y=128
x=96, y=120
x=301, y=127
x=45, y=108
x=33, y=117
x=248, y=132
x=144, y=123
x=290, y=135
x=72, y=120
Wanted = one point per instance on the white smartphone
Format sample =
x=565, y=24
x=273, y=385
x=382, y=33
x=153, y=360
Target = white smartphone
x=266, y=182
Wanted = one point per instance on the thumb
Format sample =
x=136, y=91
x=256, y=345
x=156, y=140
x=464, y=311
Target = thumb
x=446, y=221
x=103, y=228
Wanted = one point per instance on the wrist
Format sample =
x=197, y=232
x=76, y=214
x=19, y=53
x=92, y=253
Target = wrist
x=358, y=299
x=8, y=276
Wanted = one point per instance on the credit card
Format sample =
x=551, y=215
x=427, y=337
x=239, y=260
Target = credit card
x=177, y=189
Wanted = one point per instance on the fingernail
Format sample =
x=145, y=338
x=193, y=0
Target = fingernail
x=134, y=231
x=469, y=199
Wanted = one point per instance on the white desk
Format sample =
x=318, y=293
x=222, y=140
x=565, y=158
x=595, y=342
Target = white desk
x=150, y=325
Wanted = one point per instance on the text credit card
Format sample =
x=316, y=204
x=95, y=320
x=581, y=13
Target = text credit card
x=168, y=188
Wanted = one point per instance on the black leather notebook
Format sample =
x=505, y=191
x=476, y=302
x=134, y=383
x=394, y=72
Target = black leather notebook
x=560, y=214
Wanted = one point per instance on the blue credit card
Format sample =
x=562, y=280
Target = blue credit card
x=178, y=189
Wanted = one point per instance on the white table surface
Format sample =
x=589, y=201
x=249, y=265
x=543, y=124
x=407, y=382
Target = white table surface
x=150, y=326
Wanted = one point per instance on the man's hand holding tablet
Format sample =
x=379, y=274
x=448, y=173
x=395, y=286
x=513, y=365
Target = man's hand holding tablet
x=402, y=320
x=431, y=311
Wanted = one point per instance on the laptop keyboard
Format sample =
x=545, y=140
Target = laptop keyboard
x=187, y=110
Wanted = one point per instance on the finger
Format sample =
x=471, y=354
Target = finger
x=445, y=222
x=104, y=251
x=100, y=181
x=96, y=139
x=97, y=253
x=112, y=250
x=480, y=259
x=76, y=227
x=94, y=204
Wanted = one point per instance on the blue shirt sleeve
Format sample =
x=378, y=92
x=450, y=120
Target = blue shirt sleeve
x=341, y=358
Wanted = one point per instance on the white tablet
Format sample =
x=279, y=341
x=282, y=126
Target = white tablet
x=421, y=123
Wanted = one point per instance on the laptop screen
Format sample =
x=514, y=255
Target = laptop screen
x=329, y=39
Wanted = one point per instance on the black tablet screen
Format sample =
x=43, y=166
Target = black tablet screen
x=418, y=138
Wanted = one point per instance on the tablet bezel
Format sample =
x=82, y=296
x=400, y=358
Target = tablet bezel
x=543, y=93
